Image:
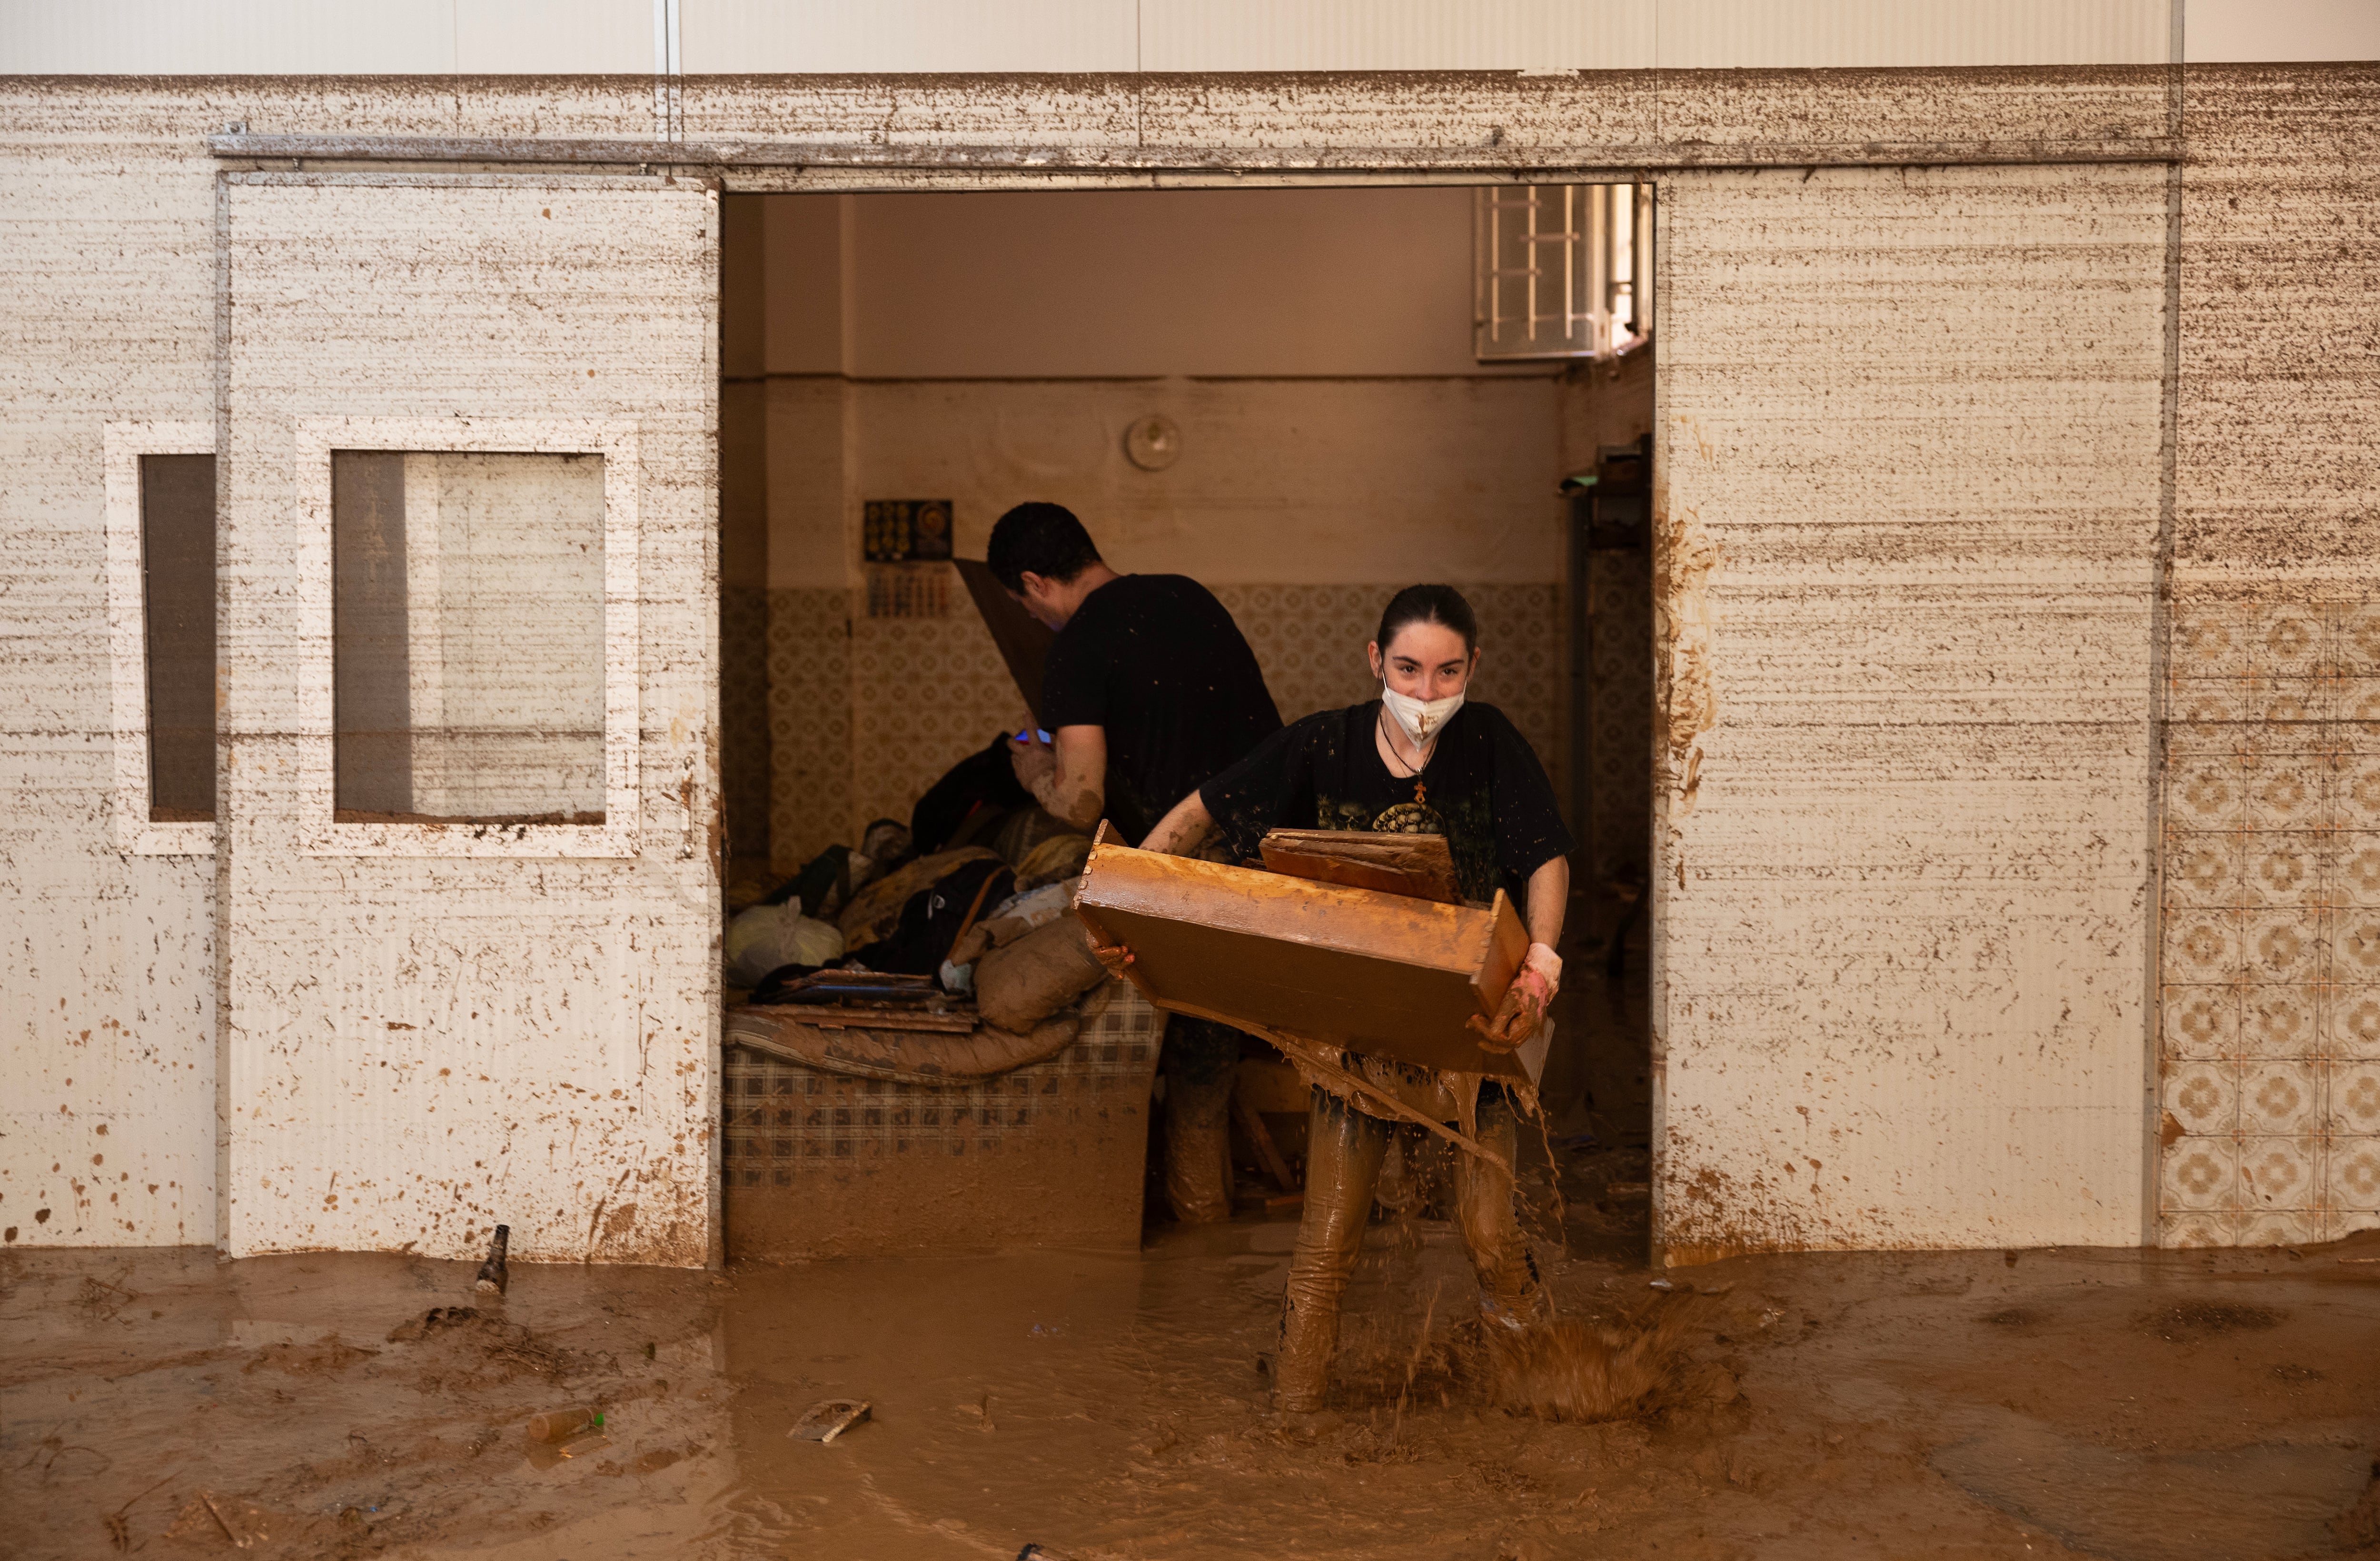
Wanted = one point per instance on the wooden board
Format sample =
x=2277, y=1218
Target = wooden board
x=1382, y=973
x=1022, y=640
x=1419, y=866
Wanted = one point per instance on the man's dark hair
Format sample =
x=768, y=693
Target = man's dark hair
x=1430, y=603
x=1041, y=539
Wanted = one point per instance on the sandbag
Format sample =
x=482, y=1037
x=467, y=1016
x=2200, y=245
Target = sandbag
x=1021, y=983
x=767, y=936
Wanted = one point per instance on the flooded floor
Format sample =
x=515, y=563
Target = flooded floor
x=2037, y=1404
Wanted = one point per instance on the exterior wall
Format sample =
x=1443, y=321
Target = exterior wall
x=2269, y=969
x=1910, y=667
x=1907, y=508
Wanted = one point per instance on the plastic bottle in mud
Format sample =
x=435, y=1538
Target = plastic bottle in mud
x=561, y=1425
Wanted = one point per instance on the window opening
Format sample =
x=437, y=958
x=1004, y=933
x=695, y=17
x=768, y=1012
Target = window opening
x=467, y=636
x=1561, y=270
x=177, y=602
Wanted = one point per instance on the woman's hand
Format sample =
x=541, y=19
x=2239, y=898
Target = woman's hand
x=1114, y=956
x=1526, y=1001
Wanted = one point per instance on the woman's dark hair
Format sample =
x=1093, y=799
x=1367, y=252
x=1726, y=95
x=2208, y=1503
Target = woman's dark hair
x=1430, y=603
x=1043, y=539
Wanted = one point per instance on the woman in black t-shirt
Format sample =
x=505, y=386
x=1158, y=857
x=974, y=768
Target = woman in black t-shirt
x=1416, y=761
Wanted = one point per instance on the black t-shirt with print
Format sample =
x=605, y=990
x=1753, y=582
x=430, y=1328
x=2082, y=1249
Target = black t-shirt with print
x=1483, y=789
x=1156, y=660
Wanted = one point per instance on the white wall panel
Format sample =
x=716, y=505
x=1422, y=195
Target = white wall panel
x=107, y=1122
x=1751, y=34
x=1908, y=429
x=739, y=36
x=327, y=37
x=2280, y=30
x=569, y=37
x=1200, y=35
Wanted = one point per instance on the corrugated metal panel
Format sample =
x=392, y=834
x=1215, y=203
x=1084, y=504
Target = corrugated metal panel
x=327, y=37
x=1909, y=434
x=735, y=36
x=1750, y=34
x=1200, y=35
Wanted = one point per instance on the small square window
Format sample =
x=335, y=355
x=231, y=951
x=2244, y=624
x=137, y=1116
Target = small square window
x=468, y=622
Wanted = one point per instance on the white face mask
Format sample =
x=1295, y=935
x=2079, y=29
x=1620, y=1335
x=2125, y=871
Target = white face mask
x=1420, y=720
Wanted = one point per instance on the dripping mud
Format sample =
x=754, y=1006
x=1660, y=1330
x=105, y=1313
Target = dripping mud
x=2064, y=1403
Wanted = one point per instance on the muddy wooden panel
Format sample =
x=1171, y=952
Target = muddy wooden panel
x=1906, y=540
x=1417, y=865
x=1380, y=973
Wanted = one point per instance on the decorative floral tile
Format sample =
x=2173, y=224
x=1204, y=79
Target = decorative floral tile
x=2202, y=944
x=2285, y=791
x=2279, y=1173
x=2351, y=1023
x=2355, y=638
x=2283, y=1227
x=2202, y=1023
x=2273, y=731
x=2202, y=1096
x=2277, y=1022
x=2279, y=869
x=2355, y=706
x=2354, y=1179
x=2200, y=1176
x=2288, y=639
x=2355, y=945
x=2205, y=718
x=2209, y=640
x=2355, y=793
x=2354, y=1099
x=2207, y=792
x=2208, y=1229
x=2202, y=867
x=2280, y=1096
x=2282, y=947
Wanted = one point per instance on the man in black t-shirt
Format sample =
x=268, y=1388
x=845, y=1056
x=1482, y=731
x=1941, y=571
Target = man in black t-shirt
x=1149, y=693
x=1150, y=690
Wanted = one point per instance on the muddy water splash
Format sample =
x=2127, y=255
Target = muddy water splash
x=1573, y=1370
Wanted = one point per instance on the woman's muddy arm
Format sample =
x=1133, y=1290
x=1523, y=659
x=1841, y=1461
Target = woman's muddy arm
x=1182, y=831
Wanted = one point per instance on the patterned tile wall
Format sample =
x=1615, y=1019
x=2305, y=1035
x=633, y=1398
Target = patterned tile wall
x=864, y=714
x=2270, y=962
x=809, y=724
x=745, y=742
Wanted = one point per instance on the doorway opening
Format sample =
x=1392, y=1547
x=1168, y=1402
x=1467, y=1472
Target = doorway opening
x=1304, y=398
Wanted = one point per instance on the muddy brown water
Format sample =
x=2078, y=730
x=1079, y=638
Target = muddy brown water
x=2109, y=1404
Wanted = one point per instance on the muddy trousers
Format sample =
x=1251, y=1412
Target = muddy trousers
x=1345, y=1149
x=1200, y=1060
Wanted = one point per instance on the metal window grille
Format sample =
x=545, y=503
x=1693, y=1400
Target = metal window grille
x=1561, y=270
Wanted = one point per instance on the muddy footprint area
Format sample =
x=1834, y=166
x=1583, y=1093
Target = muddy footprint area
x=2040, y=1404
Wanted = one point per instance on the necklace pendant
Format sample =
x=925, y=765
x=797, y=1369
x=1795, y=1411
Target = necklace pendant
x=1421, y=793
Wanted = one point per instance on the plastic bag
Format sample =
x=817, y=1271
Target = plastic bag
x=768, y=935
